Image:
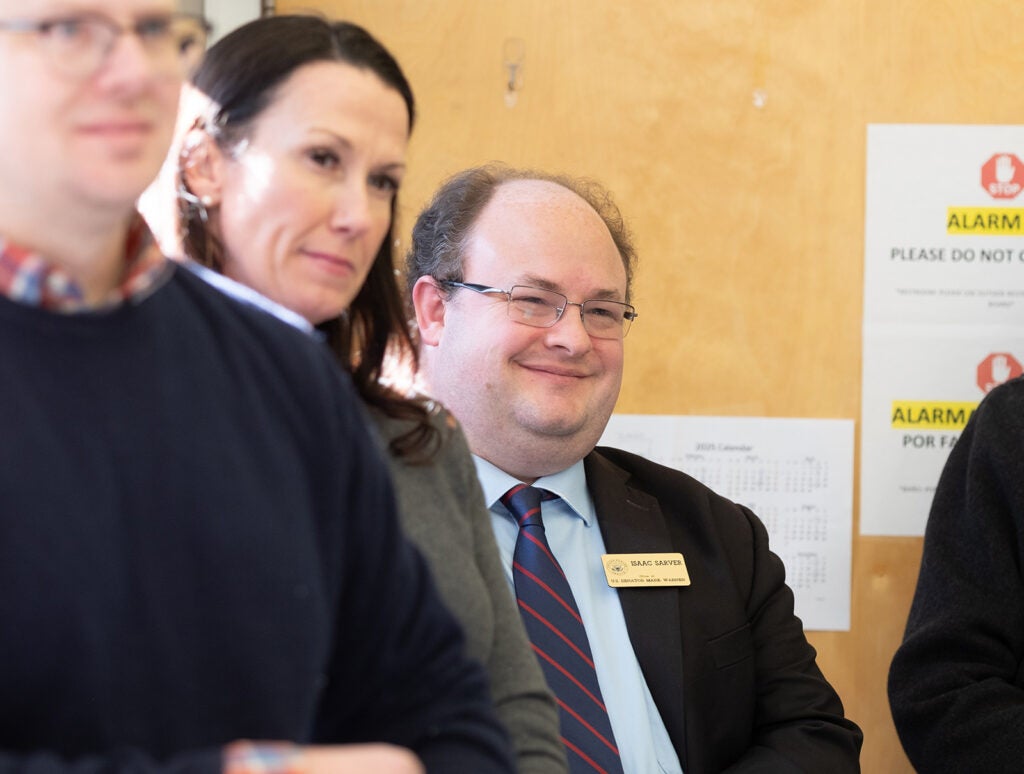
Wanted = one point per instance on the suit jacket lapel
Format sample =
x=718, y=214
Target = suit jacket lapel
x=631, y=522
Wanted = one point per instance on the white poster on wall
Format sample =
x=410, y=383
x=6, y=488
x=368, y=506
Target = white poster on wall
x=795, y=474
x=226, y=15
x=943, y=303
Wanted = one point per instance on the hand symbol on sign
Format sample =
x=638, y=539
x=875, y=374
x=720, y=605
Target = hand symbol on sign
x=1005, y=169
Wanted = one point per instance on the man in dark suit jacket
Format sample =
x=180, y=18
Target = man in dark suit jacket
x=710, y=674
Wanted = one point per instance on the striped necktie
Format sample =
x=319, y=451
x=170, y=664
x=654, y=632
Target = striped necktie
x=556, y=632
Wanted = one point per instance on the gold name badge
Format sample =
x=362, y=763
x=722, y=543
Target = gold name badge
x=641, y=570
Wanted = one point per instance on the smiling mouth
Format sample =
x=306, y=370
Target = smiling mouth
x=556, y=372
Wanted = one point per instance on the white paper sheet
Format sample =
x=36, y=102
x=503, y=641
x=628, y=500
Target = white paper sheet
x=795, y=474
x=943, y=303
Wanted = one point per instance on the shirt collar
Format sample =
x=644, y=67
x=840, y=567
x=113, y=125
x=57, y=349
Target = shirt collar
x=30, y=278
x=569, y=484
x=247, y=295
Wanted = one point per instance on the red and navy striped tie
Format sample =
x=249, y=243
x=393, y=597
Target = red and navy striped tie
x=556, y=631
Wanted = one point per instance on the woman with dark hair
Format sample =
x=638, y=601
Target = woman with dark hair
x=287, y=185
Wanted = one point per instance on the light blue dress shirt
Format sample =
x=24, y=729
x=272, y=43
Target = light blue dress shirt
x=575, y=540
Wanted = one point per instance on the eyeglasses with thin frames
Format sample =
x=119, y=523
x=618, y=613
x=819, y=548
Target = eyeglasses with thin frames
x=78, y=45
x=543, y=308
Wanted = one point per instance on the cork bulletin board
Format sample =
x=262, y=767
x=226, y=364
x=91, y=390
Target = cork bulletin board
x=732, y=133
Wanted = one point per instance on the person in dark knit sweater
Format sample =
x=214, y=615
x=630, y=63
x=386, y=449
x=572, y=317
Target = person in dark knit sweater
x=956, y=684
x=198, y=539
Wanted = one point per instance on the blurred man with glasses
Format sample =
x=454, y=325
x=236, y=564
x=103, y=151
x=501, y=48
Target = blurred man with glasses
x=521, y=283
x=198, y=541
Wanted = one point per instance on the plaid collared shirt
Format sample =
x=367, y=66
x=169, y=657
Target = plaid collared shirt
x=31, y=279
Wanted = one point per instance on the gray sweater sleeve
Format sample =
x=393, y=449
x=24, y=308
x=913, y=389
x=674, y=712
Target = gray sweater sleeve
x=442, y=510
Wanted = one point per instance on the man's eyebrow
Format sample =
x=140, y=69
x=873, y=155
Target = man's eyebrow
x=539, y=282
x=610, y=294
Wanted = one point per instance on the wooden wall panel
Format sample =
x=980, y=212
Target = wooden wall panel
x=733, y=135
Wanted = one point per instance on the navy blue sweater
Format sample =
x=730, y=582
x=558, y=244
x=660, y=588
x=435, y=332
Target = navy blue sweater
x=198, y=544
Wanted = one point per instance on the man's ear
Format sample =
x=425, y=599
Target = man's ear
x=202, y=167
x=428, y=300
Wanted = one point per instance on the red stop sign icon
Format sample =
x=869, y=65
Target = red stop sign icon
x=997, y=368
x=1003, y=176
